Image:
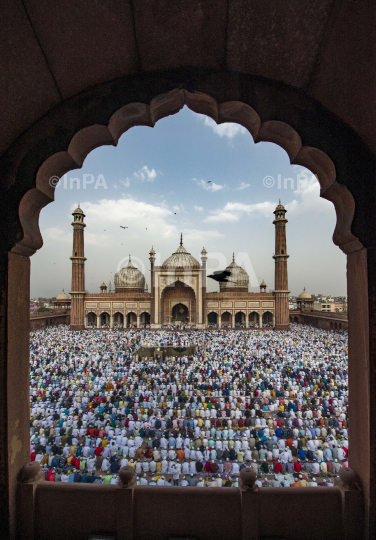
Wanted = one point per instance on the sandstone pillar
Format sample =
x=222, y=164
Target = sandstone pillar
x=14, y=382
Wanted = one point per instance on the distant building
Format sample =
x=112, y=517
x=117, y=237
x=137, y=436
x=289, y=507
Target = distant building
x=178, y=291
x=62, y=301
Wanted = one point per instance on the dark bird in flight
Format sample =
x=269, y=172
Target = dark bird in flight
x=221, y=276
x=209, y=182
x=175, y=213
x=123, y=227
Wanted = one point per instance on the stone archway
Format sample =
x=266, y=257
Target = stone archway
x=104, y=318
x=180, y=313
x=177, y=293
x=212, y=318
x=253, y=319
x=118, y=319
x=62, y=156
x=131, y=319
x=91, y=319
x=240, y=319
x=267, y=319
x=226, y=319
x=145, y=318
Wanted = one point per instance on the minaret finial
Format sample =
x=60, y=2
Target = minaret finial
x=279, y=201
x=233, y=257
x=129, y=257
x=181, y=239
x=78, y=205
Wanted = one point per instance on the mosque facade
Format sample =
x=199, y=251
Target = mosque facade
x=178, y=291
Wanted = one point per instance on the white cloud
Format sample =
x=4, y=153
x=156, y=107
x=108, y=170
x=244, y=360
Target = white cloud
x=228, y=130
x=137, y=216
x=222, y=216
x=176, y=208
x=145, y=174
x=307, y=199
x=195, y=236
x=308, y=196
x=212, y=186
x=232, y=212
x=59, y=236
x=243, y=185
x=198, y=208
x=264, y=209
x=56, y=235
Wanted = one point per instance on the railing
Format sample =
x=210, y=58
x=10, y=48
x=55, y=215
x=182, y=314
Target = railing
x=127, y=511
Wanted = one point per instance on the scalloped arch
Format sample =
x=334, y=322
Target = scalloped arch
x=140, y=114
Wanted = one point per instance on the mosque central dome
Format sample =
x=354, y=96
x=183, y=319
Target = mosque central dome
x=129, y=277
x=181, y=257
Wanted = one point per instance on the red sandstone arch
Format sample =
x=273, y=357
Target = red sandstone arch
x=104, y=318
x=91, y=319
x=267, y=317
x=240, y=318
x=131, y=318
x=145, y=318
x=253, y=318
x=137, y=114
x=212, y=317
x=226, y=318
x=176, y=293
x=118, y=318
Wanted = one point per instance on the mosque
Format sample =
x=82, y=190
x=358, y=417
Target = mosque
x=178, y=290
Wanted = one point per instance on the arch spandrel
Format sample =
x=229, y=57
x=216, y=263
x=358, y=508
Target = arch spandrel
x=170, y=282
x=178, y=303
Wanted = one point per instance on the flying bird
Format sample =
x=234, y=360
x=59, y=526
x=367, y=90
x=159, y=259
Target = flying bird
x=123, y=227
x=221, y=276
x=209, y=182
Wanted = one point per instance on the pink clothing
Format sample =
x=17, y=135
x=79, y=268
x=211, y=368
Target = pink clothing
x=227, y=467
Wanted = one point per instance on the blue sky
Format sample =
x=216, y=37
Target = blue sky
x=213, y=184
